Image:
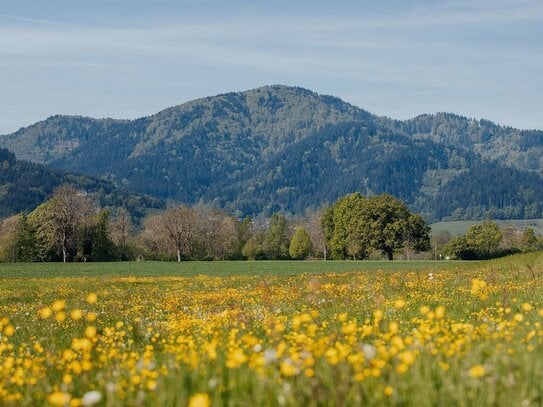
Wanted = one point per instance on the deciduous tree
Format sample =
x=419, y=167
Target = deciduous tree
x=382, y=222
x=529, y=241
x=66, y=211
x=277, y=239
x=120, y=230
x=484, y=238
x=176, y=226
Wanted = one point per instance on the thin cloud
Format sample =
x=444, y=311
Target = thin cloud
x=438, y=56
x=28, y=20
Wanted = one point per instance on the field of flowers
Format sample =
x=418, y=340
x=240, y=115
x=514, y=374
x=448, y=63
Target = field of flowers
x=463, y=335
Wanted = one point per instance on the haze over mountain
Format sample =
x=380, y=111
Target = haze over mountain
x=279, y=148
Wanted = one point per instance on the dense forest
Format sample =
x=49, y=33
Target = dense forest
x=285, y=149
x=24, y=186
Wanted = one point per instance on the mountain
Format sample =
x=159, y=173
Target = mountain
x=521, y=149
x=279, y=148
x=25, y=185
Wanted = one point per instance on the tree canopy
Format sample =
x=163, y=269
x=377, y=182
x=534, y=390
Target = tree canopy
x=357, y=225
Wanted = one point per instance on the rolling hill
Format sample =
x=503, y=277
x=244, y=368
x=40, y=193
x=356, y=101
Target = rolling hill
x=279, y=148
x=24, y=185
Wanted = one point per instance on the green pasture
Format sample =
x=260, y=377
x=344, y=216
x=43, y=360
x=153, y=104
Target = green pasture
x=213, y=268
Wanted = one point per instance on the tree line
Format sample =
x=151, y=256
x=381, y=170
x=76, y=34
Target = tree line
x=70, y=227
x=486, y=240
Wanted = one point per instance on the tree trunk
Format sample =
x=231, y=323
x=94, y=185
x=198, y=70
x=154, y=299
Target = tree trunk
x=178, y=255
x=390, y=255
x=64, y=248
x=324, y=252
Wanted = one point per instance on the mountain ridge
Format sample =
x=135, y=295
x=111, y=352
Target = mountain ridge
x=220, y=148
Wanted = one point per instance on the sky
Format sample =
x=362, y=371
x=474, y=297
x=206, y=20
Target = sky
x=397, y=58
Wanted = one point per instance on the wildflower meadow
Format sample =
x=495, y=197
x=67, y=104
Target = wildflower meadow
x=437, y=334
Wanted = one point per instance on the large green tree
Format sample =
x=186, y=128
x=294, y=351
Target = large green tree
x=380, y=222
x=391, y=226
x=457, y=249
x=59, y=220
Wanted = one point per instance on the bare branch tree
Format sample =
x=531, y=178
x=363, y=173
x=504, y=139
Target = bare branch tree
x=67, y=210
x=314, y=229
x=176, y=226
x=120, y=229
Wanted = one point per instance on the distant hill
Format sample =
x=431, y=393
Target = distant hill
x=279, y=148
x=24, y=185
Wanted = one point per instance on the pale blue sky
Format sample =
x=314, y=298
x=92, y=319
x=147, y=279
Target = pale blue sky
x=132, y=58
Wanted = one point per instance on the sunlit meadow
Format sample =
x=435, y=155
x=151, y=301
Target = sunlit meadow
x=458, y=334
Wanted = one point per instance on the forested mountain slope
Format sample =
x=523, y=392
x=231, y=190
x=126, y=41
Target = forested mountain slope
x=522, y=149
x=24, y=185
x=286, y=148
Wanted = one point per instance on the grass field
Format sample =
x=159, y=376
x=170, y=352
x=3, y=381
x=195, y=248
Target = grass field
x=219, y=268
x=273, y=333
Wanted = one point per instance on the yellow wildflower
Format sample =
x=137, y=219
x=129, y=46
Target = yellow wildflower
x=58, y=398
x=399, y=304
x=90, y=332
x=527, y=307
x=58, y=305
x=46, y=312
x=92, y=298
x=199, y=400
x=477, y=371
x=76, y=314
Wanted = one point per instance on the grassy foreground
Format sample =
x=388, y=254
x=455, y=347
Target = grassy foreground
x=157, y=334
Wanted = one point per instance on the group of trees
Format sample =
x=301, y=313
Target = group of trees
x=486, y=240
x=66, y=227
x=352, y=228
x=69, y=227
